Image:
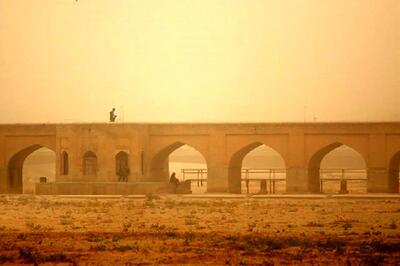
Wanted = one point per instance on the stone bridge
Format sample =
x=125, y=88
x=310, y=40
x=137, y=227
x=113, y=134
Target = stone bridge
x=89, y=153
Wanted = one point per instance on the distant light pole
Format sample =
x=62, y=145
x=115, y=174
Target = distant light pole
x=122, y=113
x=314, y=116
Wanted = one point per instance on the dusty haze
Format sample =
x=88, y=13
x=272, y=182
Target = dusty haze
x=223, y=61
x=196, y=61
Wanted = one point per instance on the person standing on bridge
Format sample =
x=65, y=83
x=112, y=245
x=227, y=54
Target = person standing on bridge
x=112, y=115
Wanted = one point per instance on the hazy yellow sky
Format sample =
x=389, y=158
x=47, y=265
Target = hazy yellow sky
x=199, y=61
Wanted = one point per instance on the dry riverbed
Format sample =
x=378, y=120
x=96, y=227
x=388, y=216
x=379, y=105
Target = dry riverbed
x=174, y=230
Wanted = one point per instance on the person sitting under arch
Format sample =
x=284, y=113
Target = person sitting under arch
x=173, y=180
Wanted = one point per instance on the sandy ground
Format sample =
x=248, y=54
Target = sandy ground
x=171, y=229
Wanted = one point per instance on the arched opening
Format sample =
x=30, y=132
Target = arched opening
x=89, y=163
x=122, y=166
x=189, y=164
x=394, y=168
x=27, y=166
x=64, y=163
x=337, y=168
x=257, y=168
x=177, y=157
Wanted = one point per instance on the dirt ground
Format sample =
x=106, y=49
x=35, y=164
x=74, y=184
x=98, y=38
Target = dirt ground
x=157, y=230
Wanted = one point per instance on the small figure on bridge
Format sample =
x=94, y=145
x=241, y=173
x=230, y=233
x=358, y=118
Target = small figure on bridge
x=112, y=115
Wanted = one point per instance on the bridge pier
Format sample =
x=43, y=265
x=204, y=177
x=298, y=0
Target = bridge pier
x=217, y=179
x=297, y=180
x=378, y=181
x=217, y=167
x=159, y=172
x=3, y=179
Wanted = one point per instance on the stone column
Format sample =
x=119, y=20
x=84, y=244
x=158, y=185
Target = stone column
x=217, y=177
x=3, y=167
x=297, y=180
x=296, y=175
x=377, y=173
x=3, y=179
x=159, y=172
x=377, y=180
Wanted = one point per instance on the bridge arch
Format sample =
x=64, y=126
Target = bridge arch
x=393, y=173
x=159, y=164
x=236, y=161
x=14, y=182
x=314, y=164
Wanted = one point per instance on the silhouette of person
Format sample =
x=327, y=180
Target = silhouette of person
x=112, y=115
x=174, y=180
x=123, y=173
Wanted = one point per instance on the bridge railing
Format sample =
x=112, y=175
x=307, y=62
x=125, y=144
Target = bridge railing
x=199, y=174
x=344, y=177
x=339, y=173
x=268, y=181
x=269, y=178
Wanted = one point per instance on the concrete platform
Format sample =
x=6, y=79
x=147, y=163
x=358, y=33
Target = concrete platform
x=367, y=196
x=293, y=196
x=214, y=196
x=133, y=190
x=290, y=196
x=117, y=197
x=101, y=188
